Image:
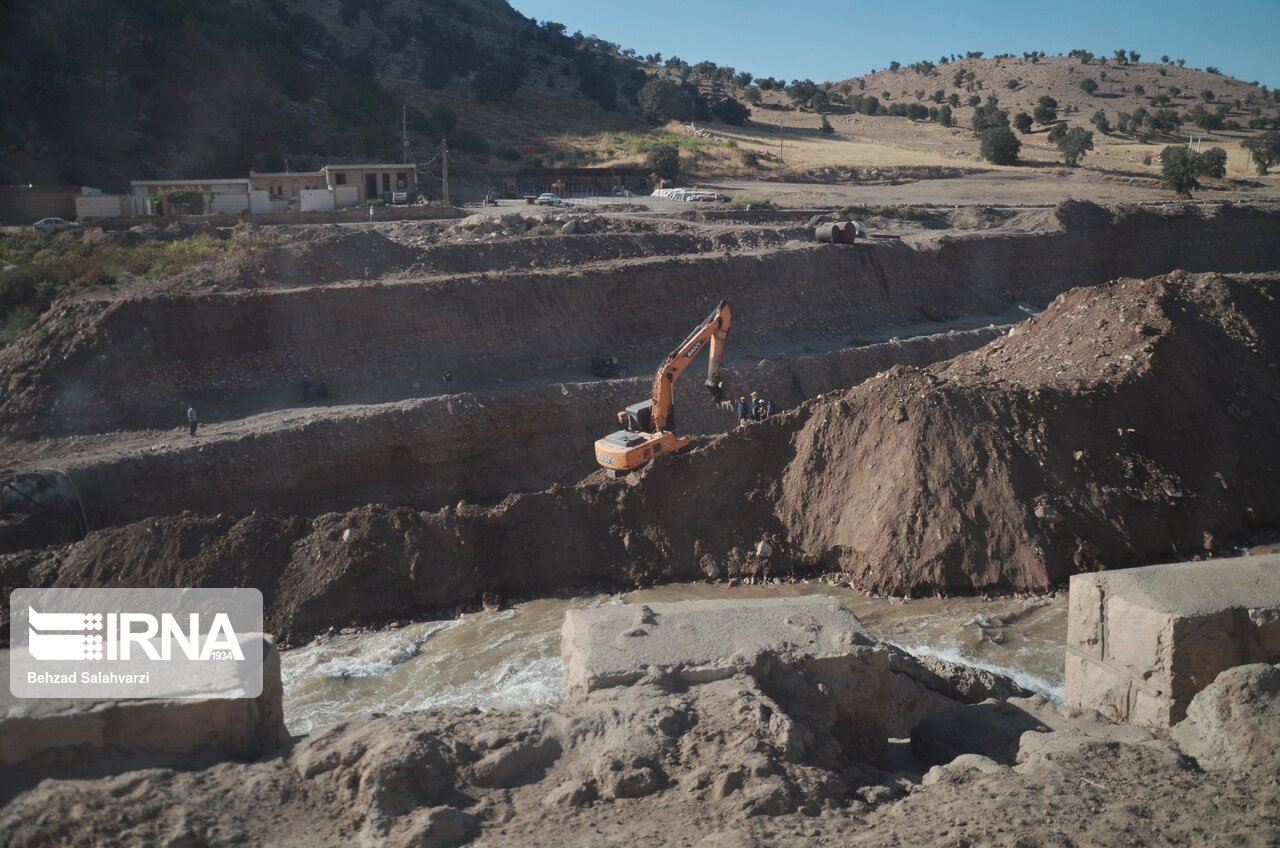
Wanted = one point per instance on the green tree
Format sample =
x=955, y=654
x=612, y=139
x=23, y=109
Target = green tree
x=1046, y=111
x=1213, y=162
x=664, y=160
x=661, y=100
x=1163, y=121
x=730, y=111
x=1100, y=121
x=1179, y=167
x=987, y=117
x=1073, y=144
x=1089, y=85
x=825, y=126
x=1023, y=122
x=999, y=145
x=1204, y=119
x=1265, y=150
x=944, y=116
x=1057, y=132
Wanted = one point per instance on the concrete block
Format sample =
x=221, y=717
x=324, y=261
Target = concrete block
x=807, y=647
x=1143, y=641
x=1084, y=617
x=1203, y=647
x=1137, y=638
x=37, y=735
x=1092, y=685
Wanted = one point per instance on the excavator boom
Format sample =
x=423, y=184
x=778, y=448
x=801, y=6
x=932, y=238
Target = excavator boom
x=713, y=331
x=649, y=423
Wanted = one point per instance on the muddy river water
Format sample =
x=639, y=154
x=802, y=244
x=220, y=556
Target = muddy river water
x=511, y=658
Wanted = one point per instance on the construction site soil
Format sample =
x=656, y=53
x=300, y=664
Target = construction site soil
x=1129, y=422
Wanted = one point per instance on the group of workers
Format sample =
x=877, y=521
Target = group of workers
x=756, y=408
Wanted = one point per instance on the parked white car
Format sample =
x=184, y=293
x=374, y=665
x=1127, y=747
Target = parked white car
x=53, y=224
x=549, y=199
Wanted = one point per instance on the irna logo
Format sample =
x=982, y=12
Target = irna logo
x=75, y=636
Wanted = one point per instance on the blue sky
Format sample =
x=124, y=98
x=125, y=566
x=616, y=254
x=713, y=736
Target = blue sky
x=837, y=40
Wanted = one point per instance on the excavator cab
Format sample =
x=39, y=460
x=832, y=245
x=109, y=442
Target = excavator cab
x=639, y=416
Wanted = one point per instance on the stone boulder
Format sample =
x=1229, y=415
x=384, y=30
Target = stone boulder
x=1233, y=724
x=811, y=651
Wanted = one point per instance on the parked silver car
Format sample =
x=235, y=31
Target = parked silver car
x=53, y=224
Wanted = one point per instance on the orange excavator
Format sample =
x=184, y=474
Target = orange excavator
x=648, y=425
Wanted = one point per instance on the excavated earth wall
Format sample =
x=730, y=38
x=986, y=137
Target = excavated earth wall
x=434, y=452
x=136, y=362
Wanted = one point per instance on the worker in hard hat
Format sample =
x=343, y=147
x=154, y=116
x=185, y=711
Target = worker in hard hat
x=744, y=414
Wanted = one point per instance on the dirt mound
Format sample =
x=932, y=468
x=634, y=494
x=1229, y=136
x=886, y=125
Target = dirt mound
x=1127, y=422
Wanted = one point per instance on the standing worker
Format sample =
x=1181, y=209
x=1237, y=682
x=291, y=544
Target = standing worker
x=192, y=419
x=743, y=416
x=304, y=385
x=757, y=406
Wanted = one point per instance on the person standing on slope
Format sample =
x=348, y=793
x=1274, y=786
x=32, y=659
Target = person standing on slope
x=192, y=419
x=743, y=415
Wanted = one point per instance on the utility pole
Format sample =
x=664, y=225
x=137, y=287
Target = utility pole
x=404, y=133
x=779, y=141
x=444, y=169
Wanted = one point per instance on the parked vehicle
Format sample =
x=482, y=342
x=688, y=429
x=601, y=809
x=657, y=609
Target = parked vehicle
x=53, y=224
x=549, y=199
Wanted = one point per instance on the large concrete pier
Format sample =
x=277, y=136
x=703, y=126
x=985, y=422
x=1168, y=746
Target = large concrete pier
x=1143, y=641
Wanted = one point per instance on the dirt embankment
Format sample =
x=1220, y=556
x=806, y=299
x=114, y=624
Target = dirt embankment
x=1129, y=422
x=135, y=362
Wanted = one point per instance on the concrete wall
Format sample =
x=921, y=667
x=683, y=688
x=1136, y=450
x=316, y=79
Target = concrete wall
x=40, y=736
x=93, y=206
x=345, y=196
x=229, y=203
x=259, y=202
x=1141, y=642
x=316, y=200
x=412, y=212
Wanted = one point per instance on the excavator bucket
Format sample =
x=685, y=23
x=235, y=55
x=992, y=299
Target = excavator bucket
x=717, y=388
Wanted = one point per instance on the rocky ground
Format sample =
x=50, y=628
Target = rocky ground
x=736, y=762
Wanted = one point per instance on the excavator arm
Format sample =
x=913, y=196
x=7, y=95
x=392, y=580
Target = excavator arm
x=713, y=332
